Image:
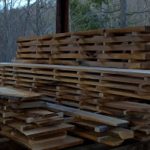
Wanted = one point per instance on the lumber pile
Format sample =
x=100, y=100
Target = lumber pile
x=136, y=113
x=84, y=85
x=64, y=84
x=36, y=127
x=121, y=48
x=68, y=73
x=101, y=133
x=100, y=128
x=77, y=86
x=110, y=131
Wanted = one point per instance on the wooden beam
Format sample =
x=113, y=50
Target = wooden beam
x=62, y=16
x=81, y=68
x=8, y=91
x=112, y=121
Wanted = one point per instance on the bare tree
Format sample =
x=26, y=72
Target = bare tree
x=23, y=19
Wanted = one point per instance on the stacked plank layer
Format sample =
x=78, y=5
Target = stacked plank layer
x=66, y=85
x=121, y=48
x=25, y=120
x=136, y=113
x=78, y=85
x=98, y=127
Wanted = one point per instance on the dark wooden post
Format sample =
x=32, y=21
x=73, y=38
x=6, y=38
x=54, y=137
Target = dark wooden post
x=62, y=16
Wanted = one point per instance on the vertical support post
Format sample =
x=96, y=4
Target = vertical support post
x=62, y=16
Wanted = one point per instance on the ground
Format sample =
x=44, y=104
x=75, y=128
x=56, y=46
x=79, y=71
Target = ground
x=9, y=145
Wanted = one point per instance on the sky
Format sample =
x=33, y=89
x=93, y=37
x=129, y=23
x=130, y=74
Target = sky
x=16, y=3
x=23, y=2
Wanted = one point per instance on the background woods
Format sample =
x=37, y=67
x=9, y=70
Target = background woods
x=37, y=17
x=16, y=20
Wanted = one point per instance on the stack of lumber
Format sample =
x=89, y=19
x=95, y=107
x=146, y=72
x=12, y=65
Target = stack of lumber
x=69, y=70
x=101, y=128
x=90, y=87
x=101, y=133
x=77, y=86
x=36, y=127
x=138, y=114
x=121, y=48
x=109, y=130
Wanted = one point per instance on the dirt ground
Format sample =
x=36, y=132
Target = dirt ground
x=9, y=145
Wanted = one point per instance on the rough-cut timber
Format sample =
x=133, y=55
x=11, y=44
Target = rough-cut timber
x=40, y=128
x=6, y=91
x=120, y=48
x=106, y=105
x=89, y=115
x=100, y=128
x=77, y=86
x=36, y=127
x=136, y=113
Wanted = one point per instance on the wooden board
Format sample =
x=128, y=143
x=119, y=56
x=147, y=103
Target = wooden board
x=9, y=91
x=66, y=142
x=88, y=115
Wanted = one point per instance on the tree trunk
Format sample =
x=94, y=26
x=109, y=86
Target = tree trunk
x=123, y=13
